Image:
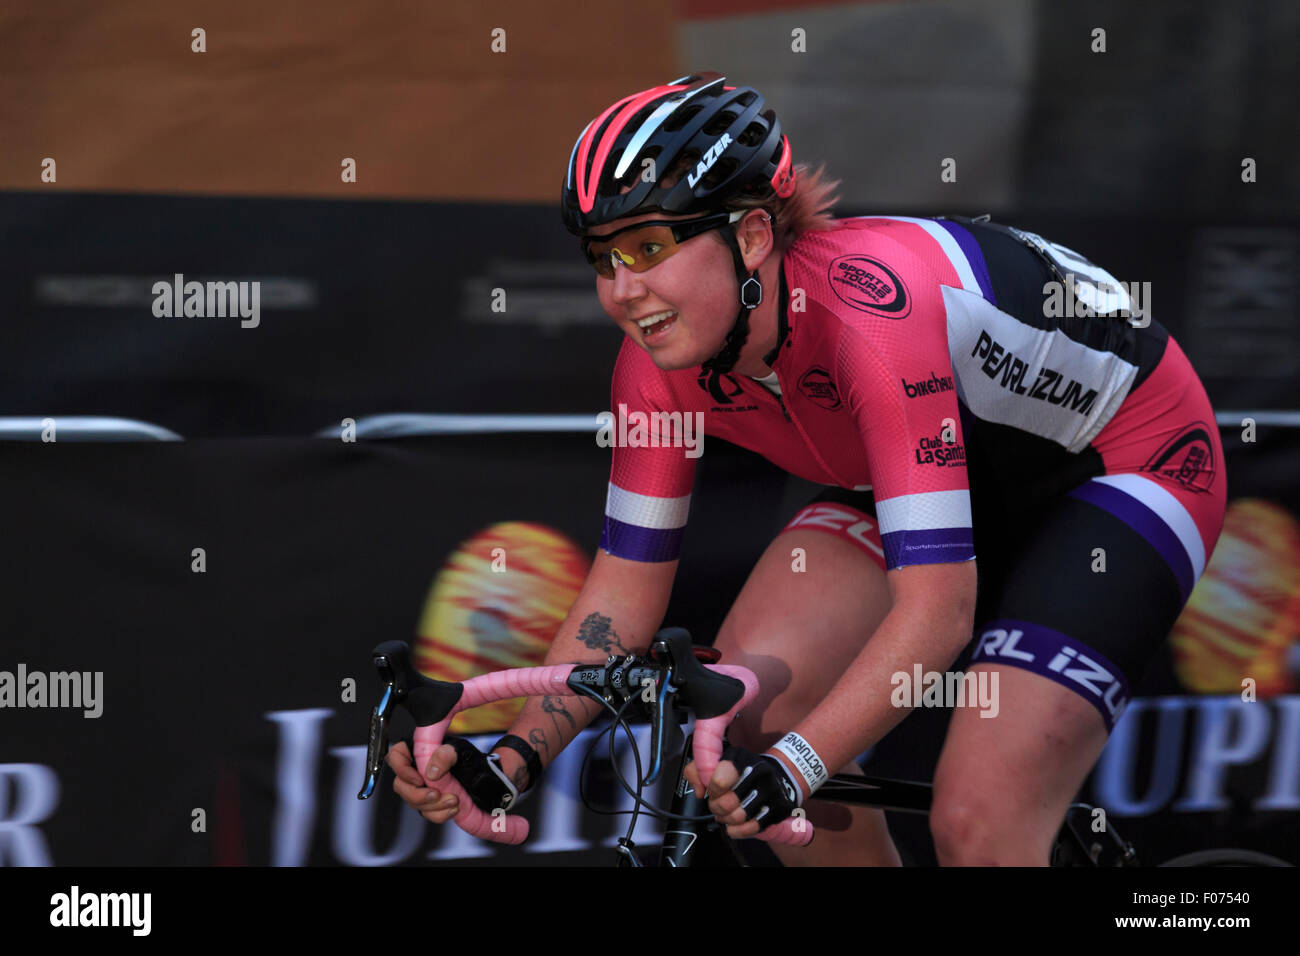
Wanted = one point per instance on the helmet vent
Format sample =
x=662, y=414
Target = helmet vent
x=719, y=174
x=720, y=124
x=680, y=118
x=752, y=136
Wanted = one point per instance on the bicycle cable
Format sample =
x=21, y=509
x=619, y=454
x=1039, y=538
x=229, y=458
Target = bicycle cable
x=650, y=809
x=586, y=758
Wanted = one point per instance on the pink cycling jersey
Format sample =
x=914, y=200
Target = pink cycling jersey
x=897, y=346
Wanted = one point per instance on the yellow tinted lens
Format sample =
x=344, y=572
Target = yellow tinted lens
x=637, y=249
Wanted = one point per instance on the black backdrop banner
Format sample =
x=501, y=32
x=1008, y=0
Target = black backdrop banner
x=375, y=307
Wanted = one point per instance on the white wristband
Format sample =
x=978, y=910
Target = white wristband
x=810, y=766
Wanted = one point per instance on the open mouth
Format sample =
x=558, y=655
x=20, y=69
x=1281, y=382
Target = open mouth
x=654, y=326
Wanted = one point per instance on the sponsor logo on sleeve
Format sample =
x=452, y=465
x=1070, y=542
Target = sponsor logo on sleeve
x=870, y=286
x=1011, y=372
x=936, y=451
x=928, y=386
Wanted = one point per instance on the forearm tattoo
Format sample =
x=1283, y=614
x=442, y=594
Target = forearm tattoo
x=596, y=633
x=539, y=742
x=554, y=706
x=520, y=777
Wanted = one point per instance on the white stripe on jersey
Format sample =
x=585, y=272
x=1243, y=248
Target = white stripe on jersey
x=646, y=511
x=971, y=316
x=1169, y=509
x=925, y=511
x=949, y=246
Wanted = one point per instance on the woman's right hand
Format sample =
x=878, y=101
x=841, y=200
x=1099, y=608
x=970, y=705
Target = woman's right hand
x=409, y=784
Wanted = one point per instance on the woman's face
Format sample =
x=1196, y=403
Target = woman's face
x=697, y=285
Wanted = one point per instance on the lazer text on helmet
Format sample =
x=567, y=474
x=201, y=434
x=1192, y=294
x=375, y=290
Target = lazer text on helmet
x=709, y=159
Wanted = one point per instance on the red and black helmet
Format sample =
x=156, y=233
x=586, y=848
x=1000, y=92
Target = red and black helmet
x=732, y=142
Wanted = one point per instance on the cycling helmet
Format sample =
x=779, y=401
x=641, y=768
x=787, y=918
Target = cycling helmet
x=724, y=130
x=720, y=140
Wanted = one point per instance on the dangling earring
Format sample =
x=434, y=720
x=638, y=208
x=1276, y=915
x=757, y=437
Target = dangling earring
x=752, y=288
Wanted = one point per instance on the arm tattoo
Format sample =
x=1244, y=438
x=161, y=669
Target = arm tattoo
x=553, y=706
x=539, y=742
x=595, y=632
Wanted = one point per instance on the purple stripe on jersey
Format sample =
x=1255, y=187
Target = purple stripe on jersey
x=973, y=255
x=1057, y=657
x=1146, y=523
x=636, y=543
x=934, y=546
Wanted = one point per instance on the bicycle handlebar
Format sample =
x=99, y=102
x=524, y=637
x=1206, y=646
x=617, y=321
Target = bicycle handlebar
x=434, y=704
x=499, y=827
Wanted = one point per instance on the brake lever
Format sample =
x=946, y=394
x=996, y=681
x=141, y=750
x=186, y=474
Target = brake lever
x=665, y=726
x=427, y=700
x=377, y=744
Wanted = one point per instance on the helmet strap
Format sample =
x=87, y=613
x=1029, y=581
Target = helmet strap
x=751, y=294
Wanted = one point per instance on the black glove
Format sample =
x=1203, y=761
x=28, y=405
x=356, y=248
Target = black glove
x=766, y=790
x=482, y=777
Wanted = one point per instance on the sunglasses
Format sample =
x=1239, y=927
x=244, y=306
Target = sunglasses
x=647, y=244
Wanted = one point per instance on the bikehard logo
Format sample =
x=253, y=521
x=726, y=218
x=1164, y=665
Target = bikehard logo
x=60, y=689
x=949, y=689
x=933, y=385
x=1049, y=386
x=208, y=300
x=936, y=451
x=709, y=159
x=722, y=388
x=870, y=286
x=652, y=430
x=76, y=909
x=816, y=383
x=1186, y=460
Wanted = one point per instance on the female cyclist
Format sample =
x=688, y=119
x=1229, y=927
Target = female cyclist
x=924, y=371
